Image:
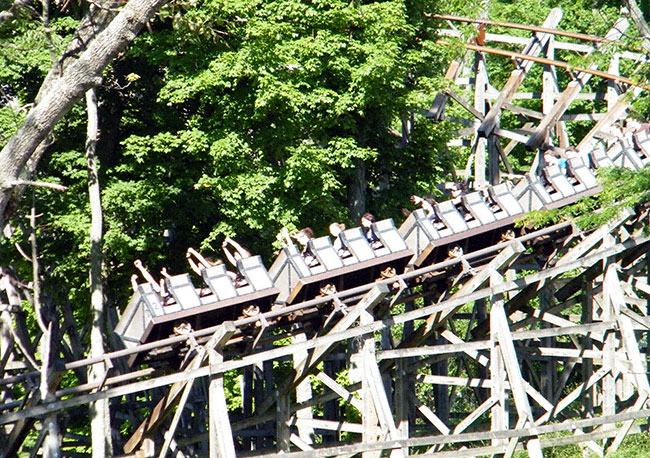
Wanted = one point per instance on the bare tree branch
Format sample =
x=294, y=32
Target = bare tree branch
x=640, y=22
x=64, y=88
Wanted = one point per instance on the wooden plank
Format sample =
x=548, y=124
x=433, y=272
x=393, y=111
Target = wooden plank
x=509, y=355
x=315, y=423
x=630, y=343
x=534, y=47
x=455, y=381
x=375, y=427
x=282, y=416
x=303, y=390
x=220, y=433
x=613, y=114
x=162, y=409
x=476, y=413
x=380, y=399
x=301, y=444
x=569, y=94
x=431, y=417
x=340, y=390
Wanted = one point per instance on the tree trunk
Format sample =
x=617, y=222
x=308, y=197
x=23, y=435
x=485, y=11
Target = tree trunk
x=99, y=410
x=357, y=191
x=64, y=88
x=637, y=17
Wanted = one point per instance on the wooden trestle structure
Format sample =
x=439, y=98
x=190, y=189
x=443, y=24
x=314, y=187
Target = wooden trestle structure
x=528, y=342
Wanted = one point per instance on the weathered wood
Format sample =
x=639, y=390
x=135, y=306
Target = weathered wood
x=613, y=114
x=533, y=48
x=370, y=300
x=431, y=417
x=513, y=371
x=375, y=426
x=502, y=260
x=340, y=390
x=312, y=423
x=219, y=429
x=572, y=89
x=162, y=409
x=303, y=392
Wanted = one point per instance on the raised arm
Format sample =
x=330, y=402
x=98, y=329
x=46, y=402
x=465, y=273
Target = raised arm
x=285, y=238
x=231, y=259
x=196, y=266
x=134, y=282
x=147, y=276
x=243, y=252
x=424, y=203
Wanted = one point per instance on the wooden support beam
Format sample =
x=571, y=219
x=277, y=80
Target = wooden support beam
x=506, y=257
x=613, y=114
x=304, y=367
x=428, y=415
x=303, y=391
x=374, y=425
x=340, y=390
x=510, y=360
x=534, y=47
x=219, y=429
x=629, y=341
x=572, y=89
x=164, y=406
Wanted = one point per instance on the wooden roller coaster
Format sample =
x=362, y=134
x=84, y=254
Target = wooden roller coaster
x=454, y=336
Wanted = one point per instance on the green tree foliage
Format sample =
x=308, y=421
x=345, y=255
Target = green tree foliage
x=622, y=188
x=292, y=96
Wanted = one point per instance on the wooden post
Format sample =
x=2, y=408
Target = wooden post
x=499, y=411
x=370, y=419
x=511, y=362
x=570, y=93
x=549, y=366
x=283, y=433
x=441, y=392
x=588, y=363
x=303, y=391
x=222, y=444
x=480, y=98
x=517, y=76
x=247, y=402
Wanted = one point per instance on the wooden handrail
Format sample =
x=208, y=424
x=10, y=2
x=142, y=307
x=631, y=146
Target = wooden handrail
x=532, y=28
x=556, y=63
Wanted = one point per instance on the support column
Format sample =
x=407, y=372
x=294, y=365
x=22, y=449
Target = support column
x=369, y=417
x=480, y=98
x=513, y=371
x=499, y=412
x=219, y=431
x=303, y=392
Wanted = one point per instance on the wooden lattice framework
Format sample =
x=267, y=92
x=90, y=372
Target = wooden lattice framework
x=535, y=342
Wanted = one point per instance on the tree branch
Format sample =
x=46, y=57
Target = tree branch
x=66, y=88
